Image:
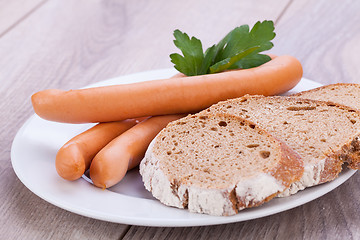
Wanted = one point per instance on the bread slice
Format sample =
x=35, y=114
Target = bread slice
x=324, y=134
x=342, y=93
x=217, y=164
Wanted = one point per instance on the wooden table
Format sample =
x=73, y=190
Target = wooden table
x=68, y=44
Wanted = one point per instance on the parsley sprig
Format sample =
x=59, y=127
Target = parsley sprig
x=240, y=48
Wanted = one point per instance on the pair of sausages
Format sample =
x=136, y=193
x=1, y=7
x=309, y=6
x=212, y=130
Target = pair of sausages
x=109, y=149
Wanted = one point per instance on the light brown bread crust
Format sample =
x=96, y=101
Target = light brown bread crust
x=335, y=85
x=291, y=167
x=324, y=170
x=246, y=192
x=289, y=170
x=347, y=94
x=350, y=152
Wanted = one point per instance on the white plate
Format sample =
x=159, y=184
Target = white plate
x=33, y=155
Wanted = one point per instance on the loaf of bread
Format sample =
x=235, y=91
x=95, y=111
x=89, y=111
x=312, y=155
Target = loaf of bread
x=217, y=164
x=324, y=134
x=342, y=93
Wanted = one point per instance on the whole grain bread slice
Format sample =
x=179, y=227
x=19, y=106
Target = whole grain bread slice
x=325, y=134
x=341, y=93
x=217, y=164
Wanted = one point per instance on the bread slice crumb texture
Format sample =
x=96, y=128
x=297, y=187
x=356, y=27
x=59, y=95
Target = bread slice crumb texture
x=314, y=129
x=217, y=164
x=324, y=134
x=214, y=152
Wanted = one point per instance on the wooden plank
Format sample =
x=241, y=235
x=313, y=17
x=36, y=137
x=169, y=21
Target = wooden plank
x=81, y=43
x=324, y=36
x=26, y=216
x=327, y=49
x=13, y=12
x=324, y=218
x=69, y=44
x=24, y=57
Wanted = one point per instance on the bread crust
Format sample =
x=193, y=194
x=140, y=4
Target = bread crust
x=291, y=167
x=247, y=192
x=349, y=152
x=289, y=170
x=299, y=94
x=326, y=169
x=329, y=168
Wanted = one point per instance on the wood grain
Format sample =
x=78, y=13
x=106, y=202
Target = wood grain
x=26, y=216
x=13, y=12
x=308, y=31
x=87, y=41
x=329, y=217
x=324, y=36
x=68, y=44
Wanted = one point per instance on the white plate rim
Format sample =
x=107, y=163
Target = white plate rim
x=181, y=218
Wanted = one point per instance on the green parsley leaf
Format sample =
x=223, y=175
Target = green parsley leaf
x=240, y=48
x=252, y=61
x=227, y=63
x=209, y=56
x=190, y=64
